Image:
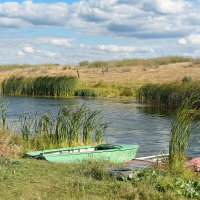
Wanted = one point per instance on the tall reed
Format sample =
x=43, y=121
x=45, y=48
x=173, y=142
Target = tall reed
x=100, y=129
x=180, y=131
x=79, y=125
x=72, y=126
x=26, y=122
x=90, y=122
x=58, y=86
x=69, y=125
x=3, y=110
x=169, y=94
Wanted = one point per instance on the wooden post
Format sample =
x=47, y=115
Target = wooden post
x=103, y=71
x=78, y=74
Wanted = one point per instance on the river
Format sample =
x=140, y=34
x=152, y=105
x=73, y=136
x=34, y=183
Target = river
x=131, y=122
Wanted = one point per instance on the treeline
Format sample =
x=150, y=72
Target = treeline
x=169, y=95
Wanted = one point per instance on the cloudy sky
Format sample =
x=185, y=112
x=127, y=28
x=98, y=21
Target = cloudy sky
x=57, y=31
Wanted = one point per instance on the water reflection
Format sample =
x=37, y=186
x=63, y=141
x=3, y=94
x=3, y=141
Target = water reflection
x=154, y=110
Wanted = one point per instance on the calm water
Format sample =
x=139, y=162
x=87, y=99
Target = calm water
x=130, y=122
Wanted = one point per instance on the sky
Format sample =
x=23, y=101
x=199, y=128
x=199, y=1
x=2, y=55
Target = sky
x=67, y=32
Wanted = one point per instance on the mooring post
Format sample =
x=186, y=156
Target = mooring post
x=78, y=74
x=102, y=71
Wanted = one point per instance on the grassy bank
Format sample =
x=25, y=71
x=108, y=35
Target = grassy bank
x=61, y=86
x=35, y=179
x=169, y=95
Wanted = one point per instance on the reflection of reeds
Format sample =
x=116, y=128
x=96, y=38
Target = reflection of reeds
x=40, y=86
x=180, y=132
x=169, y=95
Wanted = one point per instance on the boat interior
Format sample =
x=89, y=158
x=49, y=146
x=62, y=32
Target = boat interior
x=81, y=150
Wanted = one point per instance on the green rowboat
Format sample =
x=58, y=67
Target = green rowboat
x=114, y=153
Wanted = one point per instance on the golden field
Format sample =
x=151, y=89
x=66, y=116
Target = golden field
x=131, y=75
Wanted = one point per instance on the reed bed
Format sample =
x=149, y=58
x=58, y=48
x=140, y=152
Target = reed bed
x=58, y=86
x=72, y=126
x=181, y=131
x=148, y=62
x=169, y=95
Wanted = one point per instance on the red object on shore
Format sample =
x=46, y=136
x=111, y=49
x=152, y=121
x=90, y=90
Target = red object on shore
x=194, y=164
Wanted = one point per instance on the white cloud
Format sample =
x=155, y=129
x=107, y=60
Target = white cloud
x=51, y=54
x=27, y=49
x=182, y=41
x=192, y=39
x=50, y=14
x=166, y=6
x=45, y=53
x=123, y=49
x=43, y=32
x=12, y=23
x=144, y=19
x=116, y=48
x=20, y=53
x=65, y=42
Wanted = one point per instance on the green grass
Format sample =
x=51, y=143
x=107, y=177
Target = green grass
x=103, y=89
x=36, y=179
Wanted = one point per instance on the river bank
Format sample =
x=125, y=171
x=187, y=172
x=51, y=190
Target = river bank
x=112, y=78
x=36, y=179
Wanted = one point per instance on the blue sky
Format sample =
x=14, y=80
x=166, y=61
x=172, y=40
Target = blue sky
x=70, y=31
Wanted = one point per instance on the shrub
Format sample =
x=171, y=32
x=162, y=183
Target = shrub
x=86, y=93
x=84, y=63
x=186, y=79
x=127, y=92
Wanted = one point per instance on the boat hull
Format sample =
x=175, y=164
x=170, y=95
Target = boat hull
x=71, y=155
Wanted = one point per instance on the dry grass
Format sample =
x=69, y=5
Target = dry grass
x=7, y=147
x=132, y=75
